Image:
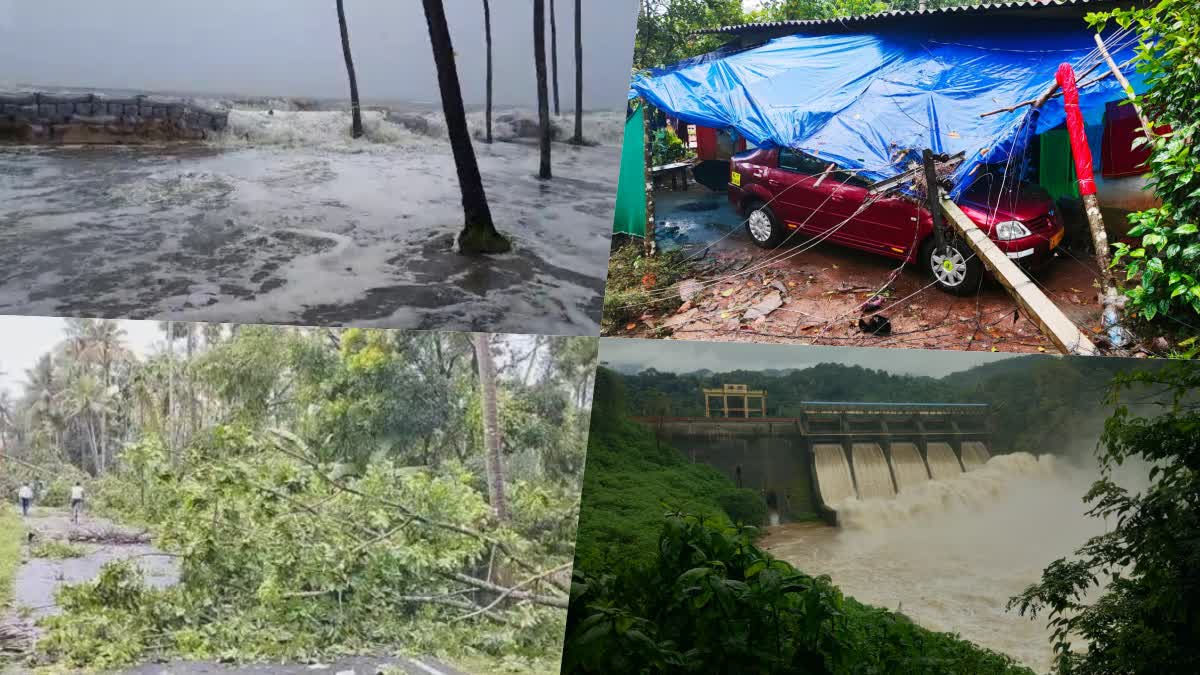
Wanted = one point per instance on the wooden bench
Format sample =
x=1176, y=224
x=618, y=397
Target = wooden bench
x=676, y=171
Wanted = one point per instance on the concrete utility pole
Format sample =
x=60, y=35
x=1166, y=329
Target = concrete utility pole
x=1082, y=155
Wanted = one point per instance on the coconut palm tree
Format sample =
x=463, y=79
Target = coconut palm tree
x=357, y=129
x=539, y=62
x=7, y=419
x=487, y=35
x=577, y=139
x=104, y=346
x=491, y=426
x=41, y=392
x=85, y=401
x=554, y=56
x=479, y=234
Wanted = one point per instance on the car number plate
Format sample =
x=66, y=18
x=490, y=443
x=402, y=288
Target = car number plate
x=735, y=178
x=1056, y=239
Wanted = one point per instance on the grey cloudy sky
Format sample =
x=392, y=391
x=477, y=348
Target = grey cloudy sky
x=685, y=356
x=293, y=48
x=23, y=340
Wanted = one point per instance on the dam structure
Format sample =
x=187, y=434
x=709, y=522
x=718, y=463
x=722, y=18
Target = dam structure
x=831, y=451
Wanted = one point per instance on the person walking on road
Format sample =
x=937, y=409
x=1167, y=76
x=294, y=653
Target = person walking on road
x=25, y=495
x=76, y=502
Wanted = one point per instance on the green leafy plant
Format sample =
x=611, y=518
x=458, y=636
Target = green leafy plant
x=57, y=550
x=1163, y=268
x=666, y=147
x=1145, y=619
x=713, y=602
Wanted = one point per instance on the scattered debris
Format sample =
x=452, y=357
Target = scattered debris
x=689, y=288
x=875, y=325
x=118, y=537
x=770, y=303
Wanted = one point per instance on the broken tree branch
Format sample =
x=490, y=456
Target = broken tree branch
x=513, y=592
x=500, y=598
x=431, y=522
x=1116, y=72
x=1050, y=93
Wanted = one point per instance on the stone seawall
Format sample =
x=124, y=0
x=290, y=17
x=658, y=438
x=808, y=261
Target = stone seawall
x=94, y=118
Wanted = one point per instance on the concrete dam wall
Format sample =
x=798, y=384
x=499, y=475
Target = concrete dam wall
x=835, y=452
x=94, y=118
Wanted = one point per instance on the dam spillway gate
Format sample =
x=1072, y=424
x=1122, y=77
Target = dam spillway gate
x=833, y=451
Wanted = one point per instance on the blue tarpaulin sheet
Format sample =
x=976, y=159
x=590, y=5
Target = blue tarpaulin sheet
x=869, y=101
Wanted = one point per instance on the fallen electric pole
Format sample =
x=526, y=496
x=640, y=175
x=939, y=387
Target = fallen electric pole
x=1054, y=324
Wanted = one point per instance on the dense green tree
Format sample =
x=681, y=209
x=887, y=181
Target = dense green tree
x=1146, y=619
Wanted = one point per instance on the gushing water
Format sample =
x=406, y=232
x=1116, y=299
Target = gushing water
x=908, y=466
x=974, y=455
x=950, y=553
x=871, y=470
x=943, y=464
x=833, y=473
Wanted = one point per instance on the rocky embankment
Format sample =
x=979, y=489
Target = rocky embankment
x=32, y=117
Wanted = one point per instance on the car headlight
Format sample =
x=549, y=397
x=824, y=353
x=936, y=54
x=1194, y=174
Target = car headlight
x=1011, y=229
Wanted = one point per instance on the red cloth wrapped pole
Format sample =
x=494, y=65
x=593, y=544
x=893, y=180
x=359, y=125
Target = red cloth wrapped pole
x=1075, y=129
x=1082, y=155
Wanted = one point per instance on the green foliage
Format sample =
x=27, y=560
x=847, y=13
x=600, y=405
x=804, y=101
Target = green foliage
x=665, y=29
x=666, y=147
x=1059, y=392
x=710, y=601
x=280, y=561
x=632, y=480
x=638, y=284
x=56, y=550
x=1145, y=619
x=11, y=533
x=744, y=506
x=1165, y=265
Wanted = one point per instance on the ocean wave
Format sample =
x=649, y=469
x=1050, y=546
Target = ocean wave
x=332, y=128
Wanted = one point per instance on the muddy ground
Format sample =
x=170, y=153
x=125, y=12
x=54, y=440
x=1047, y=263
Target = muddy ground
x=814, y=294
x=38, y=579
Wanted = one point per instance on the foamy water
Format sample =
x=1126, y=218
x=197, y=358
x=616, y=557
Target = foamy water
x=285, y=218
x=950, y=553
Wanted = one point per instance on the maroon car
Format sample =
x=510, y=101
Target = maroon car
x=782, y=191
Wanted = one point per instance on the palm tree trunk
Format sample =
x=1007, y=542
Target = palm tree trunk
x=479, y=234
x=578, y=138
x=539, y=62
x=357, y=129
x=171, y=449
x=554, y=56
x=491, y=426
x=487, y=33
x=191, y=386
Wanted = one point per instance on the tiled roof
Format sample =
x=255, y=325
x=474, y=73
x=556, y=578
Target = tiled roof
x=852, y=21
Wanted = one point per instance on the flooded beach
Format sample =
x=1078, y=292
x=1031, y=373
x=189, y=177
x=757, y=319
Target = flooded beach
x=283, y=218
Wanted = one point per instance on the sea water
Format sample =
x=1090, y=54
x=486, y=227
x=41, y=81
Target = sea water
x=284, y=218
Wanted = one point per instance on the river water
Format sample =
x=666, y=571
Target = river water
x=284, y=218
x=950, y=553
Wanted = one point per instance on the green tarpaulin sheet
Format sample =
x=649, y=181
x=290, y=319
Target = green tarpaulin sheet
x=630, y=216
x=1056, y=171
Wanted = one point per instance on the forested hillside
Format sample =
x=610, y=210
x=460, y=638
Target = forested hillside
x=1037, y=401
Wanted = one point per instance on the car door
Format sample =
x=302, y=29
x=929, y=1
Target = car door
x=799, y=188
x=880, y=223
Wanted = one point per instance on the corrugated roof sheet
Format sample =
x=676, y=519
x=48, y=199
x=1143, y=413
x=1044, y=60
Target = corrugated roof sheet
x=961, y=10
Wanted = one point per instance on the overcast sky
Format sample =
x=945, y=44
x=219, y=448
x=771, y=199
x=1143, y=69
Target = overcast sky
x=26, y=338
x=685, y=356
x=293, y=48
